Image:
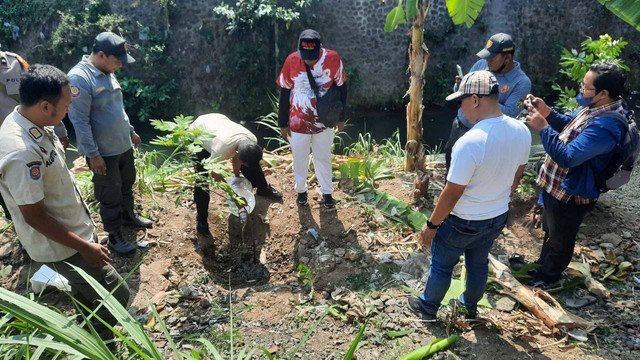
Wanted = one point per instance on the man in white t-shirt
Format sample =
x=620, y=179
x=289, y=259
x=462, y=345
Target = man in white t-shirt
x=486, y=167
x=230, y=141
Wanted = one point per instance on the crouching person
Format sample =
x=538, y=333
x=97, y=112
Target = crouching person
x=487, y=163
x=49, y=215
x=230, y=141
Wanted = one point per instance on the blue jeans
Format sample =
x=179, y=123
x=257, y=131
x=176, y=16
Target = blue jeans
x=454, y=238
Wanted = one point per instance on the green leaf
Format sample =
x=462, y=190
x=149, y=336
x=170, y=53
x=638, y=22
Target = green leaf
x=397, y=334
x=464, y=11
x=412, y=8
x=354, y=343
x=627, y=10
x=63, y=329
x=395, y=18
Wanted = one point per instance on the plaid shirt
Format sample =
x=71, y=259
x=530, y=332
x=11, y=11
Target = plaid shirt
x=551, y=175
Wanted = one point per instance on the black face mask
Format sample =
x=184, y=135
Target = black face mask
x=504, y=64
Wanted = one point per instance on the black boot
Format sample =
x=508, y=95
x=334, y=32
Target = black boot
x=118, y=245
x=129, y=218
x=269, y=192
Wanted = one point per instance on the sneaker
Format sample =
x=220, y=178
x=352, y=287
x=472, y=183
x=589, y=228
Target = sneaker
x=328, y=202
x=119, y=246
x=302, y=198
x=135, y=220
x=414, y=304
x=269, y=192
x=543, y=285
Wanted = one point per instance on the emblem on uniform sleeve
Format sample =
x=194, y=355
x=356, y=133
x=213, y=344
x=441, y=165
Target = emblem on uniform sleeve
x=35, y=132
x=75, y=91
x=504, y=88
x=34, y=172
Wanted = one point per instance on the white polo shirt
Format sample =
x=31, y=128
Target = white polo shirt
x=32, y=168
x=227, y=135
x=485, y=159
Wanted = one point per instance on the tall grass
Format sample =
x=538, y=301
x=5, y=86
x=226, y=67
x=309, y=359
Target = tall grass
x=390, y=149
x=29, y=330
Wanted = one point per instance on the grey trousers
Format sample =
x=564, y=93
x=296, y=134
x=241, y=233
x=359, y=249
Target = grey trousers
x=107, y=276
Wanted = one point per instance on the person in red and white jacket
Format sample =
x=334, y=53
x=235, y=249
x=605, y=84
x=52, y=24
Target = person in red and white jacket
x=298, y=117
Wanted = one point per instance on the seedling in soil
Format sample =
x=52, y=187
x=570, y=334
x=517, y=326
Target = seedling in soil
x=308, y=279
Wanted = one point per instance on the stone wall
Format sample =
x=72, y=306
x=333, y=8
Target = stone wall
x=354, y=28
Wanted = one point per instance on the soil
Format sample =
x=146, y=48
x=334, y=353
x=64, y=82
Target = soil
x=348, y=250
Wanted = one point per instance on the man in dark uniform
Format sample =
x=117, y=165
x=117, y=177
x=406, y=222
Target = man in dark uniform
x=106, y=137
x=496, y=57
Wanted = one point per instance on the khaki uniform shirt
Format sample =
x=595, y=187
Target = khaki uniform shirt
x=32, y=168
x=227, y=135
x=11, y=68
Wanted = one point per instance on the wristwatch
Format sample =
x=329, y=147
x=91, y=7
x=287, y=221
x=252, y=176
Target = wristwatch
x=431, y=226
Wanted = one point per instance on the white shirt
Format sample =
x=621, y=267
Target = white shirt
x=485, y=160
x=32, y=168
x=227, y=135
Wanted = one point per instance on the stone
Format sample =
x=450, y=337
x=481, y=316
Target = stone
x=607, y=246
x=304, y=260
x=172, y=320
x=325, y=258
x=416, y=265
x=506, y=304
x=339, y=252
x=611, y=238
x=620, y=258
x=6, y=250
x=580, y=302
x=626, y=235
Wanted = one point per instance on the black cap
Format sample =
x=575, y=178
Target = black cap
x=112, y=44
x=309, y=45
x=498, y=44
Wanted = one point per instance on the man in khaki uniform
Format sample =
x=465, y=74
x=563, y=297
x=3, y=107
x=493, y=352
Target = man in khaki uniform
x=50, y=218
x=12, y=66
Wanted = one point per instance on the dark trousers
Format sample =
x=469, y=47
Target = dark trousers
x=201, y=191
x=457, y=130
x=4, y=208
x=114, y=191
x=107, y=276
x=561, y=222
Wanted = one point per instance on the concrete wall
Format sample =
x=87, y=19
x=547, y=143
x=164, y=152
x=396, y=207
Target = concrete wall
x=354, y=28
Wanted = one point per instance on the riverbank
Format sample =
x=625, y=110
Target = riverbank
x=357, y=259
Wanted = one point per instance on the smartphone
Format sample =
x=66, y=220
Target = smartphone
x=459, y=71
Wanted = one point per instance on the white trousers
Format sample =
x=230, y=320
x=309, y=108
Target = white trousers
x=300, y=147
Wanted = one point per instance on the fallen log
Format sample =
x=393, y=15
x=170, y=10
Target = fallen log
x=537, y=302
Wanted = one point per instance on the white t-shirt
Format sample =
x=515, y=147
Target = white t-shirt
x=228, y=135
x=485, y=159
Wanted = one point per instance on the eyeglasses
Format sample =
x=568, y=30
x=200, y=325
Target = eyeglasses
x=468, y=96
x=583, y=89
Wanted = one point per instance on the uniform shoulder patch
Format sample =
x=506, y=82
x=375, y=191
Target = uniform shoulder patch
x=34, y=172
x=504, y=88
x=75, y=91
x=33, y=163
x=23, y=62
x=35, y=133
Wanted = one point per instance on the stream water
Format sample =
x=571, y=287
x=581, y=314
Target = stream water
x=380, y=124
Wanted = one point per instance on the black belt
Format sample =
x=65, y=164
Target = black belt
x=464, y=221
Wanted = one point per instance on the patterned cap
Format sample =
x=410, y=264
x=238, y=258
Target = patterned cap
x=476, y=83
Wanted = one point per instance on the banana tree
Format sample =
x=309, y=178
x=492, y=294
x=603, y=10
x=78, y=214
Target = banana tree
x=627, y=10
x=461, y=12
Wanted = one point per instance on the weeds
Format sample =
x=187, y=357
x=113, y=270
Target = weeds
x=308, y=279
x=390, y=151
x=434, y=152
